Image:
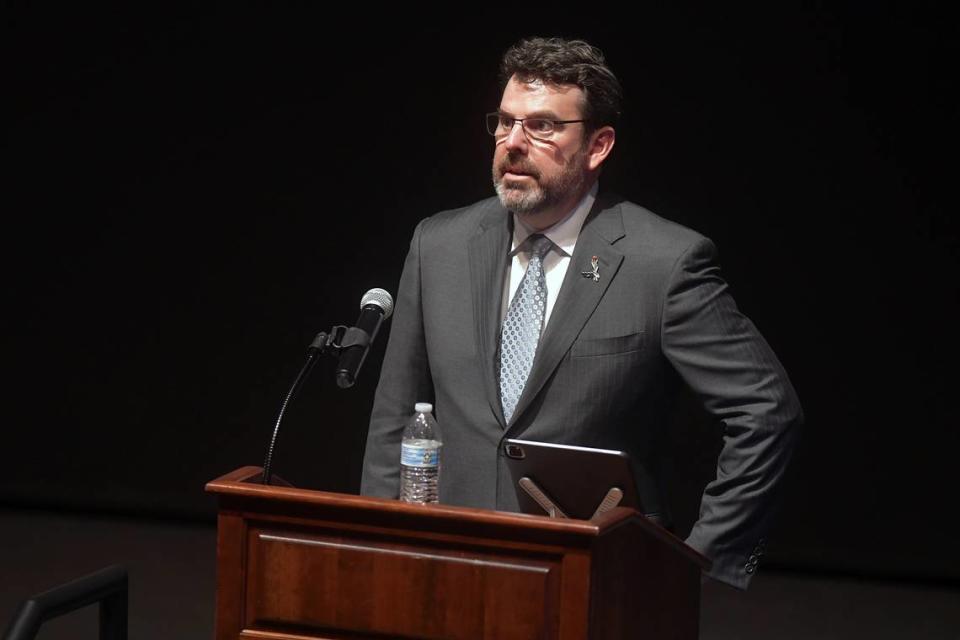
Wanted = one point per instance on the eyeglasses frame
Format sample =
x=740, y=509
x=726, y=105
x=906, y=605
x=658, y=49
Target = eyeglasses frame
x=523, y=126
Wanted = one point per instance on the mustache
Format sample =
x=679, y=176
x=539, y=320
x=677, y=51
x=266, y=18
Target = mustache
x=517, y=166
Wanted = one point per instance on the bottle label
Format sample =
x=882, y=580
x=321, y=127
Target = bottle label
x=416, y=455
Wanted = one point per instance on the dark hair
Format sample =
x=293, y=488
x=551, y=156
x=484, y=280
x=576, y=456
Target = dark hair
x=559, y=61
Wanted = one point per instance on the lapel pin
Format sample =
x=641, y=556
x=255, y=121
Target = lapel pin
x=595, y=274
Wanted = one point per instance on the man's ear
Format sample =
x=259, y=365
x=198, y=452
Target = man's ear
x=600, y=146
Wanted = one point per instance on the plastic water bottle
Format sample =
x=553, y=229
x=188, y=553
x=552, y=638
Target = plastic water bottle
x=420, y=457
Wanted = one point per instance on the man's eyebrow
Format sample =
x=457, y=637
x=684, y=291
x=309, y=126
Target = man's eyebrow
x=544, y=113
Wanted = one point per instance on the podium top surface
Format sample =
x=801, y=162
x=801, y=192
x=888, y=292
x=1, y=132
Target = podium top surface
x=242, y=490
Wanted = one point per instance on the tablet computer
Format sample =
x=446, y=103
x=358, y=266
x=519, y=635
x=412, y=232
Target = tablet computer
x=570, y=481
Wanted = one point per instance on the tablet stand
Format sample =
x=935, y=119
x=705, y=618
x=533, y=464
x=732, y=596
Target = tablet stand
x=610, y=500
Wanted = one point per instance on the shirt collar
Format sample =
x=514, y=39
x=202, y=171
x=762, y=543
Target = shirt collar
x=564, y=233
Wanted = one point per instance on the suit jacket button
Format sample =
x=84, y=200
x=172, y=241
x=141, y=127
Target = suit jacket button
x=753, y=559
x=750, y=568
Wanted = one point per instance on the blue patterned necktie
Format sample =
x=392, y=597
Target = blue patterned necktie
x=522, y=326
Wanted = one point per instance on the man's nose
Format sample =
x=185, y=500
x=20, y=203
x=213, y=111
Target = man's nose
x=516, y=140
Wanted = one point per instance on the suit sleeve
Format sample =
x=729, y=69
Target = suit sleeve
x=719, y=353
x=404, y=380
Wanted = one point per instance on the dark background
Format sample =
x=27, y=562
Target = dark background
x=191, y=195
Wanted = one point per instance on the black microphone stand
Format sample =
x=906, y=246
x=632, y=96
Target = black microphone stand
x=332, y=343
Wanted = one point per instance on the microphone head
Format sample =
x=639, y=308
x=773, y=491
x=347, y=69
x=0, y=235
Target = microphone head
x=380, y=298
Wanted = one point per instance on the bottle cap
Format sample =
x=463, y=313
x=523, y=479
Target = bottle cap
x=423, y=407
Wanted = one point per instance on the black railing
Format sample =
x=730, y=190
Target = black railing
x=107, y=586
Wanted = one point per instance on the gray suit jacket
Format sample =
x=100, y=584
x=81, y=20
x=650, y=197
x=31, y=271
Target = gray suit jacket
x=606, y=365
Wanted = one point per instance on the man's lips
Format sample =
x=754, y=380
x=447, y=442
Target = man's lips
x=517, y=173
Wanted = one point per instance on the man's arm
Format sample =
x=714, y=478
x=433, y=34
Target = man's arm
x=404, y=380
x=727, y=363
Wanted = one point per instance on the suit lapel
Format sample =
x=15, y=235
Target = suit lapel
x=488, y=255
x=578, y=297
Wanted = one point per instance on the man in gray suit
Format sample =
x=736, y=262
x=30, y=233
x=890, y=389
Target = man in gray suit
x=557, y=313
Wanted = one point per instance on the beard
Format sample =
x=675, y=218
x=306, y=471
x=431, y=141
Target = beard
x=530, y=197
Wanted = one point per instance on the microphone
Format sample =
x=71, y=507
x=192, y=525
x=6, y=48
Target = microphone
x=375, y=307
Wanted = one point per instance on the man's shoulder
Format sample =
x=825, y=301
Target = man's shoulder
x=463, y=222
x=643, y=227
x=486, y=210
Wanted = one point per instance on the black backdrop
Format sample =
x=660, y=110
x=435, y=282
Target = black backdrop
x=193, y=195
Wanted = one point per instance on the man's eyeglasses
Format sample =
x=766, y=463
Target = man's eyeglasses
x=499, y=125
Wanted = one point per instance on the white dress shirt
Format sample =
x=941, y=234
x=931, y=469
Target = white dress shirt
x=564, y=236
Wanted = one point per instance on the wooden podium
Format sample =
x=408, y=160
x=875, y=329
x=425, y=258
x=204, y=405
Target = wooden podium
x=295, y=564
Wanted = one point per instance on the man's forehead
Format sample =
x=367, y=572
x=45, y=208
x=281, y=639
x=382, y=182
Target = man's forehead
x=543, y=95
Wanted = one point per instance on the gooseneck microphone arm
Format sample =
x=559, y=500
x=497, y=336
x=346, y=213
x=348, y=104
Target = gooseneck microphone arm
x=353, y=342
x=321, y=343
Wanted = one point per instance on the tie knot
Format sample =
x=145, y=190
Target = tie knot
x=539, y=245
